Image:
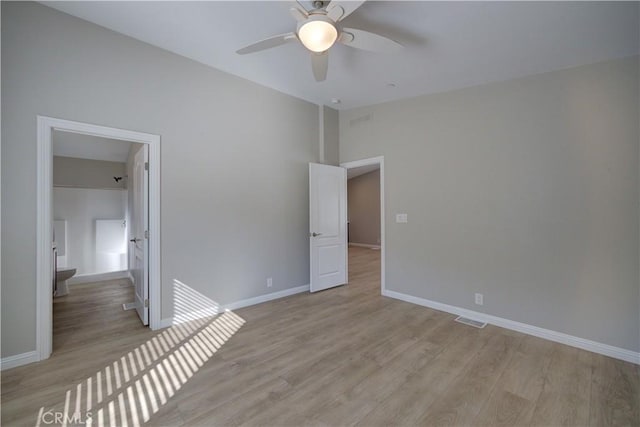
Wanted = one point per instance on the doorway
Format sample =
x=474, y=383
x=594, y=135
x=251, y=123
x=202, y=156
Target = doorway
x=46, y=272
x=366, y=218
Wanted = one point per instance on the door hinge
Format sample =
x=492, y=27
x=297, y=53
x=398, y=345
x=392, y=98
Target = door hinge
x=146, y=234
x=146, y=303
x=146, y=166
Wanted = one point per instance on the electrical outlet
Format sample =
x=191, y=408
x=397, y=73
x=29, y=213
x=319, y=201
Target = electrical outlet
x=401, y=218
x=479, y=299
x=269, y=282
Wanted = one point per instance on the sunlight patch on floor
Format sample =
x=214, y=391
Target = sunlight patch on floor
x=138, y=384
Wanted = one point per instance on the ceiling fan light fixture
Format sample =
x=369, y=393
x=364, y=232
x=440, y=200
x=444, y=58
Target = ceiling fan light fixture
x=317, y=33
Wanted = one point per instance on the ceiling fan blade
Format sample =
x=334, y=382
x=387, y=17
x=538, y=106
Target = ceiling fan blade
x=298, y=3
x=274, y=41
x=361, y=39
x=335, y=13
x=320, y=64
x=298, y=15
x=347, y=6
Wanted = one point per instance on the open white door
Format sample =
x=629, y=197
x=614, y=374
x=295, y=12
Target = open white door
x=140, y=225
x=328, y=226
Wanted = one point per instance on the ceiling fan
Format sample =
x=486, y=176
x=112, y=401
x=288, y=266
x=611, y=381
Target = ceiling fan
x=318, y=29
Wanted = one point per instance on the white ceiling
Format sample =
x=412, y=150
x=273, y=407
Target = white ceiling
x=66, y=144
x=449, y=45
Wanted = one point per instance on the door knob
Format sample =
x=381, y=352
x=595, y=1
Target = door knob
x=314, y=234
x=134, y=240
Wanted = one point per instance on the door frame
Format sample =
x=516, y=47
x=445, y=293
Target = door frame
x=44, y=217
x=383, y=251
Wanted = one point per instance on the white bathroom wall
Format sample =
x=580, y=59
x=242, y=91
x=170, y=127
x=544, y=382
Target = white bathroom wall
x=87, y=173
x=81, y=207
x=111, y=247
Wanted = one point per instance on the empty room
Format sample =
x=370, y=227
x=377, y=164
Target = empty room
x=327, y=213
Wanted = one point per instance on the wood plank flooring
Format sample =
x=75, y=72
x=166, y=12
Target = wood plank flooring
x=345, y=356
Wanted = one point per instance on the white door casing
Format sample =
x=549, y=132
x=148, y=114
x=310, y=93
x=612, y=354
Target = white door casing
x=44, y=221
x=140, y=223
x=328, y=226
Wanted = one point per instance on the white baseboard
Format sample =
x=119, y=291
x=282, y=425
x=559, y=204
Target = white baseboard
x=266, y=297
x=165, y=323
x=89, y=278
x=18, y=360
x=559, y=337
x=364, y=245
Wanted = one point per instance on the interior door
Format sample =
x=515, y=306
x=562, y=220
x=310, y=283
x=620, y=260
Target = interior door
x=140, y=225
x=327, y=222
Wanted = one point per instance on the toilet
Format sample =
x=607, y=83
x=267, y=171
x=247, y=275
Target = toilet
x=63, y=273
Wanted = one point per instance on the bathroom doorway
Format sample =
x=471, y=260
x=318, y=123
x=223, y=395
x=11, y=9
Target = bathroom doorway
x=94, y=183
x=100, y=207
x=90, y=205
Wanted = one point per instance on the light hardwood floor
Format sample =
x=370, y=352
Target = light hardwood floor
x=346, y=356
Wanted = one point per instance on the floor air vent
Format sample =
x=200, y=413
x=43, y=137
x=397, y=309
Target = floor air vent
x=471, y=322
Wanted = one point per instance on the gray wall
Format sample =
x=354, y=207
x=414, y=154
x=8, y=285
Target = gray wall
x=234, y=206
x=331, y=136
x=363, y=194
x=86, y=173
x=525, y=191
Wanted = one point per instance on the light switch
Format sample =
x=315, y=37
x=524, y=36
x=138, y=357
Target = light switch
x=401, y=218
